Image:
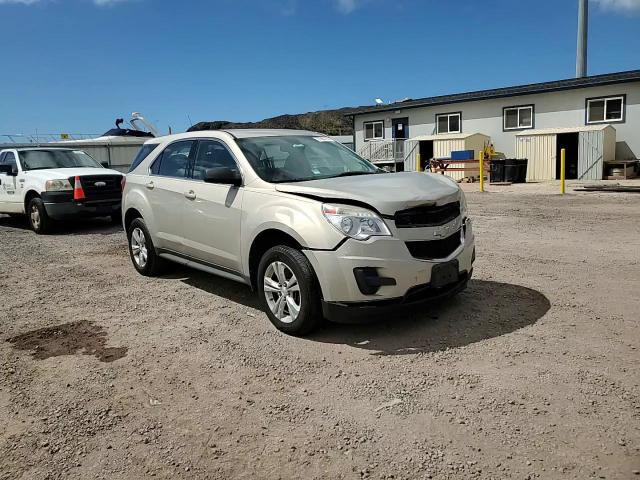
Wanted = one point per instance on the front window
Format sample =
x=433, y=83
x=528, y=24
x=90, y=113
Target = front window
x=374, y=130
x=449, y=123
x=45, y=159
x=517, y=118
x=600, y=110
x=298, y=158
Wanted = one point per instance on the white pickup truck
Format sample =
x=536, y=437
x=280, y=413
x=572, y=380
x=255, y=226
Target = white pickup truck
x=49, y=184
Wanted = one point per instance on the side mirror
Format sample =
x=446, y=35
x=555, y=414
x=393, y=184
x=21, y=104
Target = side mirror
x=223, y=175
x=11, y=170
x=105, y=164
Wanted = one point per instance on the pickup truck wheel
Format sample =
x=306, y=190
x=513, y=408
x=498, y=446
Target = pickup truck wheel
x=39, y=221
x=141, y=249
x=289, y=291
x=116, y=217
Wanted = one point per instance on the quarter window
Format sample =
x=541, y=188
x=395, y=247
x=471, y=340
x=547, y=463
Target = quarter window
x=516, y=118
x=174, y=161
x=211, y=154
x=142, y=154
x=374, y=130
x=609, y=109
x=449, y=123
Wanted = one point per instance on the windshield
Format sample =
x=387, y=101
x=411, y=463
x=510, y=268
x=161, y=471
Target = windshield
x=297, y=158
x=43, y=159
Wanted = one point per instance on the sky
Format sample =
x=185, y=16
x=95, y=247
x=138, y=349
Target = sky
x=76, y=65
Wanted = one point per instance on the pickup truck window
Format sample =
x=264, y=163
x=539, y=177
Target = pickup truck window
x=298, y=158
x=44, y=159
x=9, y=159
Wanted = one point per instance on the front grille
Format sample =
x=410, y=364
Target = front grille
x=110, y=190
x=427, y=216
x=433, y=249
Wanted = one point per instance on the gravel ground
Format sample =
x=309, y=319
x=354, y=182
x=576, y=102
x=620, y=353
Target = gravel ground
x=532, y=372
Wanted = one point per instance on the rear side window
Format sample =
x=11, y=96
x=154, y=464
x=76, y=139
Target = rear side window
x=174, y=160
x=142, y=154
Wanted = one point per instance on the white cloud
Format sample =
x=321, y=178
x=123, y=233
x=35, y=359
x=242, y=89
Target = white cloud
x=347, y=6
x=619, y=5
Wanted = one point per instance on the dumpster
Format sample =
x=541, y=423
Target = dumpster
x=496, y=170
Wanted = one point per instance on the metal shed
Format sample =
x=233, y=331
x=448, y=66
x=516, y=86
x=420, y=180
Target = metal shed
x=443, y=145
x=588, y=147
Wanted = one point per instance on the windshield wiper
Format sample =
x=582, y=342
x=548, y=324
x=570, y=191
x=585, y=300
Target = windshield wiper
x=351, y=174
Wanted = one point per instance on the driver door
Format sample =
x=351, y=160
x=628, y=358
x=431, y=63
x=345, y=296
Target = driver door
x=10, y=201
x=212, y=212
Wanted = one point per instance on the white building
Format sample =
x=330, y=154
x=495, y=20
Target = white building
x=560, y=113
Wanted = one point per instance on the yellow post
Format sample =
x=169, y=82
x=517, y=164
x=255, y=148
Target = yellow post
x=481, y=171
x=562, y=170
x=418, y=163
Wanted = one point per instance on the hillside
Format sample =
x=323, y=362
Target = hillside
x=330, y=122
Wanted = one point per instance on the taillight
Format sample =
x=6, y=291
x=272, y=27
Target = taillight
x=123, y=182
x=78, y=192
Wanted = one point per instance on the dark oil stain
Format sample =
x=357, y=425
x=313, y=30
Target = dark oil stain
x=82, y=337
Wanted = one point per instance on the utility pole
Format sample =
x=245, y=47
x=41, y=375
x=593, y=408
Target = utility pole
x=583, y=30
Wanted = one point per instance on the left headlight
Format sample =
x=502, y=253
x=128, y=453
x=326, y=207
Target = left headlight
x=355, y=222
x=57, y=185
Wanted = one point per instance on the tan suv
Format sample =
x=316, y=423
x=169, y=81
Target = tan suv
x=318, y=231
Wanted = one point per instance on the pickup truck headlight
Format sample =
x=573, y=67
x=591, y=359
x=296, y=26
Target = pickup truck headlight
x=355, y=222
x=58, y=186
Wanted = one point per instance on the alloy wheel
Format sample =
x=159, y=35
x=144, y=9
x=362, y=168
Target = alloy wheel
x=139, y=247
x=282, y=291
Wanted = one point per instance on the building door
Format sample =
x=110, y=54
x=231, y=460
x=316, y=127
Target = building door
x=400, y=132
x=426, y=154
x=400, y=128
x=568, y=141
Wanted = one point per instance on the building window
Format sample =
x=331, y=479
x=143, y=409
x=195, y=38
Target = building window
x=449, y=122
x=374, y=130
x=606, y=109
x=518, y=118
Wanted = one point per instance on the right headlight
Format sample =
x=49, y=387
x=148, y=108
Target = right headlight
x=355, y=222
x=61, y=185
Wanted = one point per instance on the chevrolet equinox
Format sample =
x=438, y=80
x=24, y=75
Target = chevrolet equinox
x=318, y=231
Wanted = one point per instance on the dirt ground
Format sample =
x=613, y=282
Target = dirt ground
x=532, y=372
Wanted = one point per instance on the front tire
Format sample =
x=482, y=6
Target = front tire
x=39, y=220
x=289, y=290
x=141, y=250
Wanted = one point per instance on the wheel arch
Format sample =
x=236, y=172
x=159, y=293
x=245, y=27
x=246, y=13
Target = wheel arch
x=265, y=240
x=130, y=215
x=31, y=194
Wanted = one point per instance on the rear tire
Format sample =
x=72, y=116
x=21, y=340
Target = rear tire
x=141, y=250
x=291, y=297
x=37, y=216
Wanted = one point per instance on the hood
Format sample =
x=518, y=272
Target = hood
x=386, y=192
x=55, y=173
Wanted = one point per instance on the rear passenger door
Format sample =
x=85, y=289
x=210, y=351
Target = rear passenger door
x=212, y=212
x=166, y=187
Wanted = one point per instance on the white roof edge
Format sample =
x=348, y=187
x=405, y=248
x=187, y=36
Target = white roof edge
x=447, y=136
x=553, y=131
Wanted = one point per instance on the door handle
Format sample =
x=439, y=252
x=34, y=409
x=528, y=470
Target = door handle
x=150, y=185
x=191, y=195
